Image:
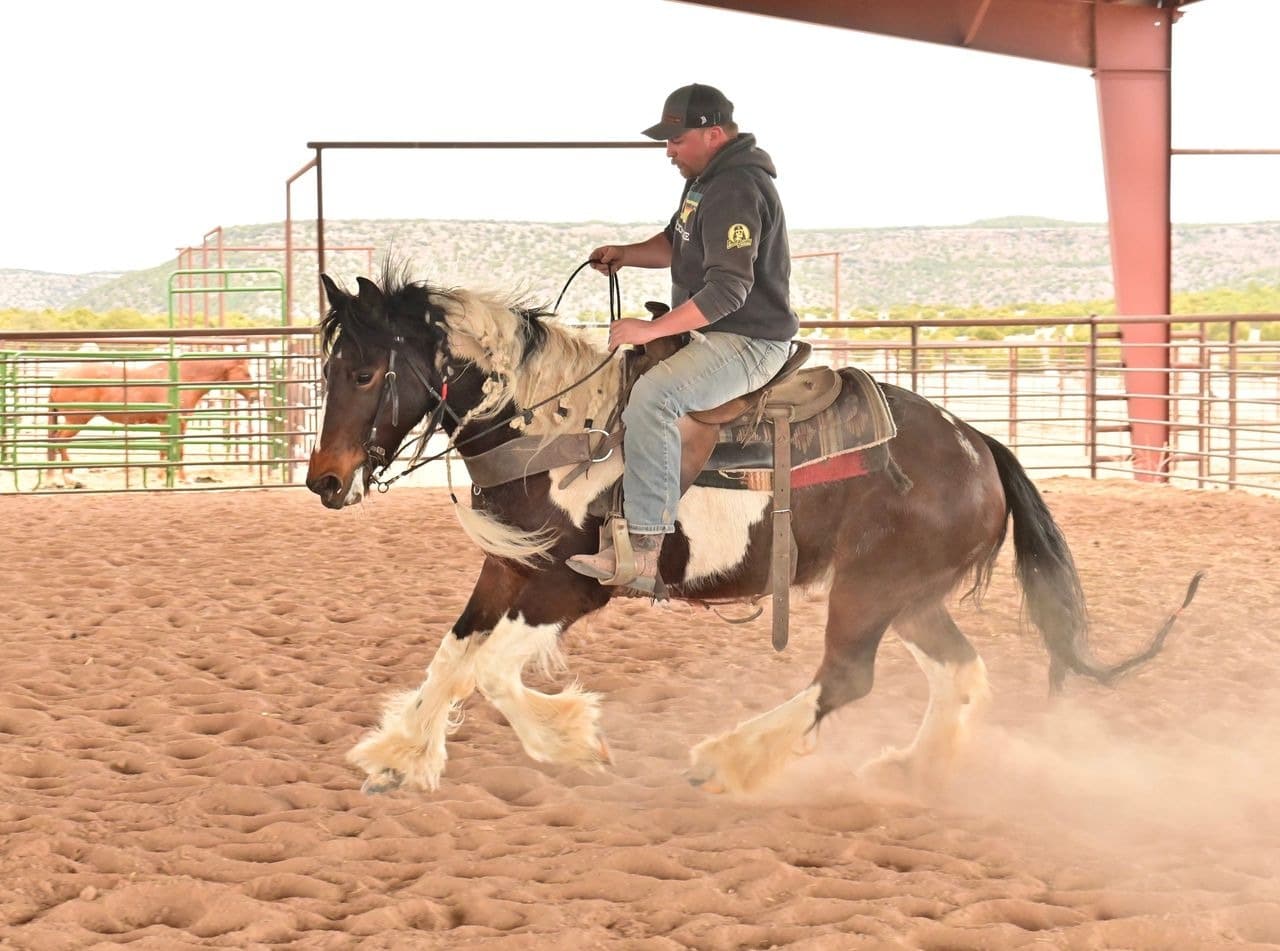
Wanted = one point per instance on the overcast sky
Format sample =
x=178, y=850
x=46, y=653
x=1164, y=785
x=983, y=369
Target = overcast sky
x=133, y=127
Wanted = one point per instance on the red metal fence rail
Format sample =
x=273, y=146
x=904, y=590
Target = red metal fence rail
x=1051, y=388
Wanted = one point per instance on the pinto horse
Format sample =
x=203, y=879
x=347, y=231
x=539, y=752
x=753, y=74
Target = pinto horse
x=136, y=395
x=888, y=555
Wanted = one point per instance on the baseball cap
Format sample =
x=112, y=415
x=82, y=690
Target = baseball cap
x=691, y=107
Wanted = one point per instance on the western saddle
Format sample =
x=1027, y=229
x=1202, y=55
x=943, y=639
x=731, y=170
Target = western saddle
x=793, y=394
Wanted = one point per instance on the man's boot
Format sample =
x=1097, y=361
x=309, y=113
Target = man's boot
x=637, y=568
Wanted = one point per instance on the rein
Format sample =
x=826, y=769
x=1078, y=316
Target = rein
x=379, y=456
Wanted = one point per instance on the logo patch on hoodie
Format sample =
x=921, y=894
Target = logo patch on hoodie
x=739, y=237
x=691, y=201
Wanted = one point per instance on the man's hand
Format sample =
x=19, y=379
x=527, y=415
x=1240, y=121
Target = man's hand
x=630, y=330
x=688, y=316
x=607, y=259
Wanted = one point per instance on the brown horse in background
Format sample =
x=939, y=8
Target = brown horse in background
x=144, y=390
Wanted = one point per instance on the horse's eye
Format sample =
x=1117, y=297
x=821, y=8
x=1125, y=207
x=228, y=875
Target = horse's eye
x=364, y=378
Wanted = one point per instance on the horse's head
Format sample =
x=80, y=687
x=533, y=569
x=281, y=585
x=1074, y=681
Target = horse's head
x=384, y=368
x=237, y=372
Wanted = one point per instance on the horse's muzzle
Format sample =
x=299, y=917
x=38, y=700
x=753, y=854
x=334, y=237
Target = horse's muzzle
x=329, y=488
x=324, y=477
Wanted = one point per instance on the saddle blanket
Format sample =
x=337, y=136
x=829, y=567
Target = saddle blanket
x=846, y=440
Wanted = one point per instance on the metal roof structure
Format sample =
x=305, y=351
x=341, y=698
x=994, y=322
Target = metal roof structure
x=1054, y=31
x=1128, y=46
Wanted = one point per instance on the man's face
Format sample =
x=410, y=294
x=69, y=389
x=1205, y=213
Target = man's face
x=692, y=150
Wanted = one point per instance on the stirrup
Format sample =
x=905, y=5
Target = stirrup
x=624, y=556
x=616, y=535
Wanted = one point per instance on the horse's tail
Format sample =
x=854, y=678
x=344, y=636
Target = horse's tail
x=1051, y=587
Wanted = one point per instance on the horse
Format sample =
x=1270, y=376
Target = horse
x=887, y=556
x=137, y=395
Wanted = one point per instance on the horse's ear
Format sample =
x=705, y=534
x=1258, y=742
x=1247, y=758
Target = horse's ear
x=370, y=294
x=332, y=291
x=655, y=308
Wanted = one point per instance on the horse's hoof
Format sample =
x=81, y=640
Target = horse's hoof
x=893, y=770
x=603, y=756
x=703, y=777
x=807, y=745
x=384, y=781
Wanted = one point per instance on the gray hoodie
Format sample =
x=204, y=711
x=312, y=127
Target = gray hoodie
x=729, y=245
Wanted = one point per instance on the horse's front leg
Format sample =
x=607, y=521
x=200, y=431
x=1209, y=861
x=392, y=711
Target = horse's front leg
x=553, y=728
x=178, y=450
x=408, y=746
x=59, y=437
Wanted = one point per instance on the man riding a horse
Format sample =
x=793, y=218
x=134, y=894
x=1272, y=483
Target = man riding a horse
x=730, y=265
x=887, y=538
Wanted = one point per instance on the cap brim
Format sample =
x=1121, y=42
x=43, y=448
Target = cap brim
x=663, y=131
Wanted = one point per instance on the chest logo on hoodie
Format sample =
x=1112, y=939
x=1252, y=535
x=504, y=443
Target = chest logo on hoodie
x=739, y=237
x=691, y=201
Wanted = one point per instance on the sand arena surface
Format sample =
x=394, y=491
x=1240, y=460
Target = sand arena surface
x=181, y=677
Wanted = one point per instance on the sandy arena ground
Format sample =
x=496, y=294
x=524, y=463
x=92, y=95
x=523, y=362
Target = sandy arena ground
x=181, y=676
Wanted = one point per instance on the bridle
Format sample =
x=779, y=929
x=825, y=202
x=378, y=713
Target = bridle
x=378, y=455
x=389, y=390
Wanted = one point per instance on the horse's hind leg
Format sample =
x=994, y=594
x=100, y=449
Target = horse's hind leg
x=57, y=449
x=757, y=749
x=958, y=692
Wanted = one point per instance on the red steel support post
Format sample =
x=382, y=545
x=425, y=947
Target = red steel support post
x=288, y=239
x=1134, y=56
x=319, y=231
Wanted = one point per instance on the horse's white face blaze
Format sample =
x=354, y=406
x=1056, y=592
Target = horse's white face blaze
x=358, y=487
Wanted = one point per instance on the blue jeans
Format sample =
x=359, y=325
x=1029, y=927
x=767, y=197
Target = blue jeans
x=714, y=368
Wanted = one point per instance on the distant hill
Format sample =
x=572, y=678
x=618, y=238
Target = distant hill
x=991, y=263
x=1028, y=221
x=36, y=290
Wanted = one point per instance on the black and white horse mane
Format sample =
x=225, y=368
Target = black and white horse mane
x=523, y=348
